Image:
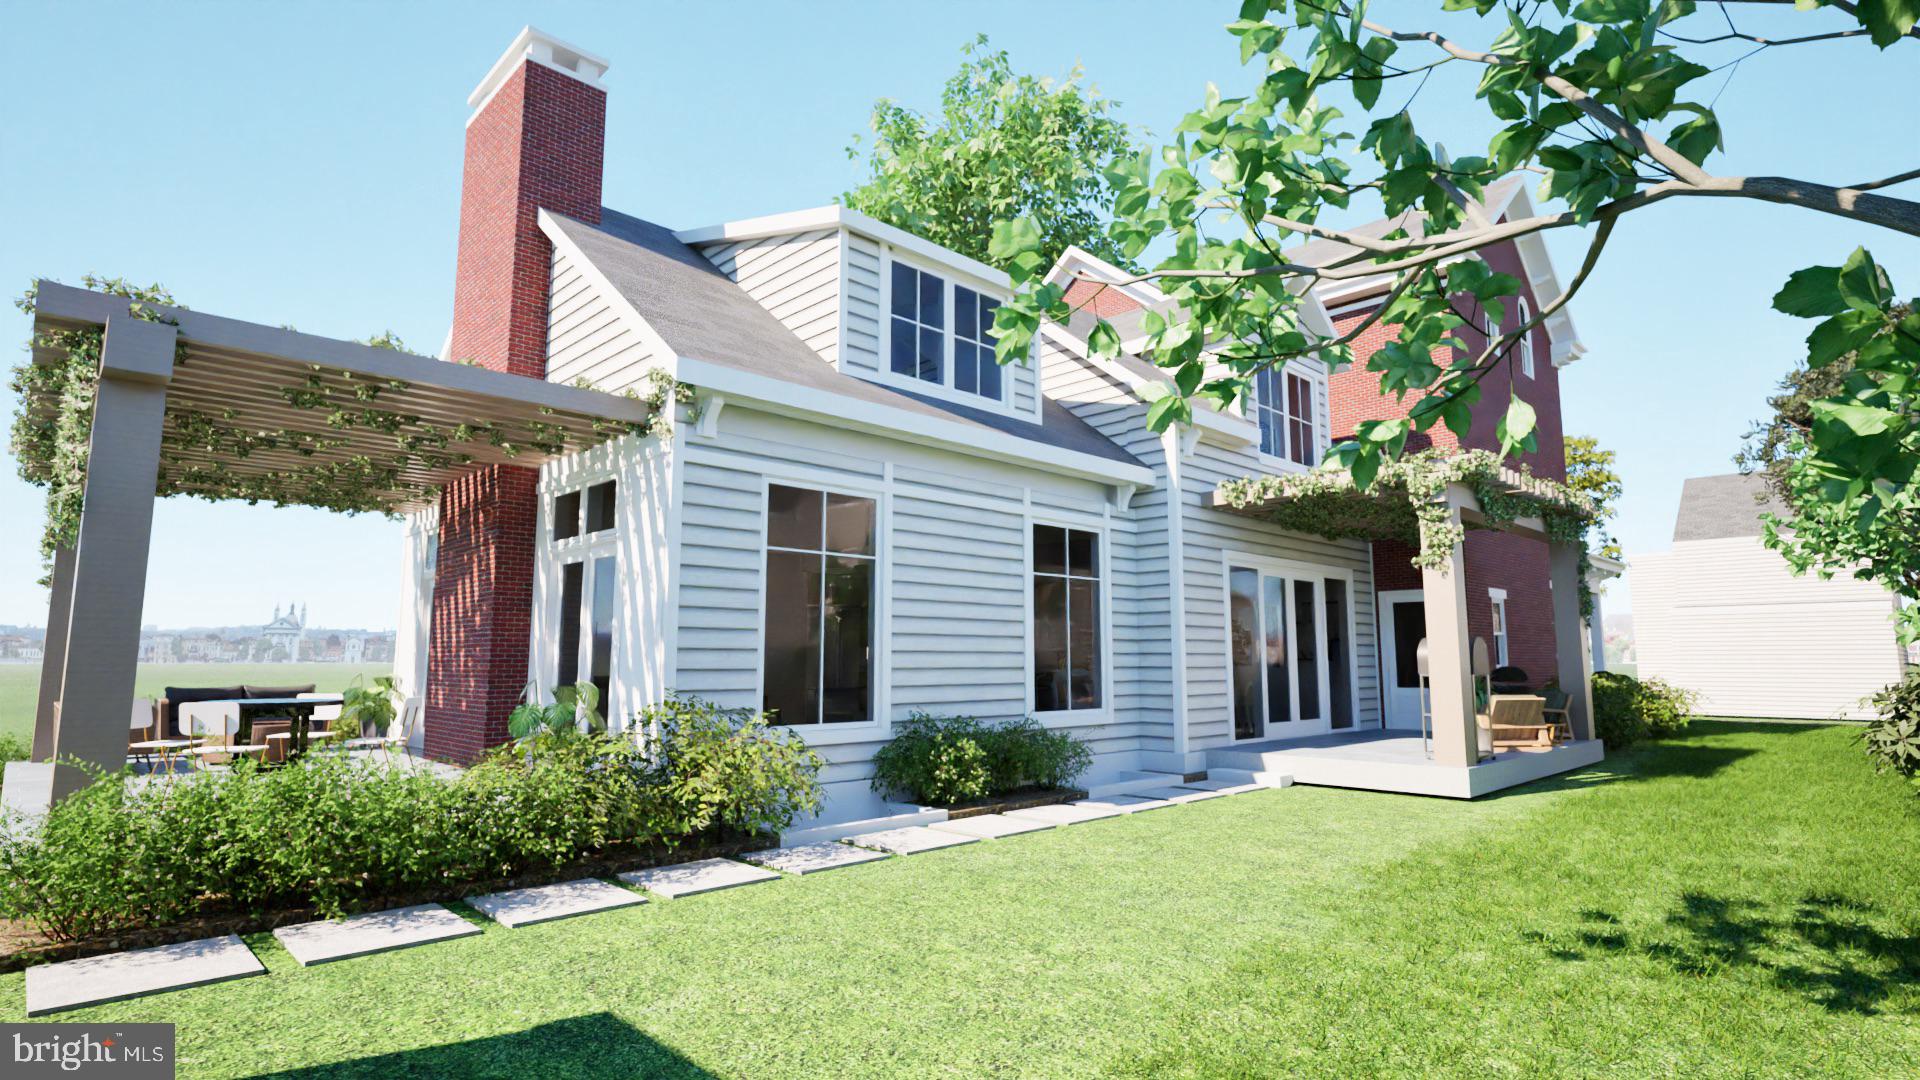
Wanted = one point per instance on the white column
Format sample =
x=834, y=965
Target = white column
x=1572, y=661
x=1456, y=741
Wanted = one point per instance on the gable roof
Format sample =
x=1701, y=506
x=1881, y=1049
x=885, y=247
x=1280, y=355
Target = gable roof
x=700, y=314
x=1719, y=507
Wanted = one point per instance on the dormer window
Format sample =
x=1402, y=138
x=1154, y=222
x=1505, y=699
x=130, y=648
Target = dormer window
x=1283, y=403
x=941, y=333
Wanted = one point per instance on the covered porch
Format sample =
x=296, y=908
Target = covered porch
x=1431, y=501
x=186, y=403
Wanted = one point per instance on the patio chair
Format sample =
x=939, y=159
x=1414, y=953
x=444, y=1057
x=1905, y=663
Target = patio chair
x=399, y=733
x=211, y=721
x=150, y=747
x=1515, y=722
x=323, y=714
x=277, y=736
x=1555, y=710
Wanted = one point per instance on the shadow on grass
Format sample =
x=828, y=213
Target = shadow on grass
x=596, y=1045
x=1826, y=947
x=1652, y=761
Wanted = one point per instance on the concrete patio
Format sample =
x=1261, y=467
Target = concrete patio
x=1396, y=760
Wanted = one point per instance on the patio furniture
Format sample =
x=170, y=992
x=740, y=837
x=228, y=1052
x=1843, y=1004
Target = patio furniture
x=1555, y=710
x=399, y=733
x=142, y=721
x=176, y=696
x=276, y=735
x=1515, y=722
x=215, y=720
x=327, y=713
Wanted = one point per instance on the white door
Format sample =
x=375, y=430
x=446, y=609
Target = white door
x=1277, y=625
x=1403, y=623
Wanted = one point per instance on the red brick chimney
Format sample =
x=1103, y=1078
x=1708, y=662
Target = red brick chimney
x=536, y=139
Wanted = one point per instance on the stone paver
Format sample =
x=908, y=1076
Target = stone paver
x=545, y=903
x=813, y=858
x=118, y=976
x=1124, y=804
x=1064, y=813
x=379, y=931
x=694, y=878
x=1178, y=794
x=990, y=826
x=910, y=840
x=1224, y=787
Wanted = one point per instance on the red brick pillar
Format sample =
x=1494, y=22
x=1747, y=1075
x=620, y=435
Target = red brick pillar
x=536, y=140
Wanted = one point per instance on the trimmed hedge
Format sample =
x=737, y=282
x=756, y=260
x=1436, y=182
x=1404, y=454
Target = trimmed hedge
x=948, y=760
x=1627, y=710
x=337, y=835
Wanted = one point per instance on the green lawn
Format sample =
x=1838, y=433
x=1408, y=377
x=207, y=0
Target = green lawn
x=20, y=683
x=1742, y=902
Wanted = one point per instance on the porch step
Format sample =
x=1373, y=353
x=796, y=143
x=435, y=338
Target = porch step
x=1127, y=783
x=1265, y=777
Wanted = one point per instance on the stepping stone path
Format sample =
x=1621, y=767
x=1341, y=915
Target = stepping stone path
x=381, y=931
x=1125, y=804
x=545, y=903
x=910, y=840
x=97, y=979
x=1178, y=794
x=1063, y=814
x=989, y=826
x=694, y=878
x=813, y=858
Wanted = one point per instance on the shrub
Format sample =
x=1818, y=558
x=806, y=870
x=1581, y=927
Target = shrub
x=339, y=835
x=945, y=760
x=1626, y=709
x=1892, y=737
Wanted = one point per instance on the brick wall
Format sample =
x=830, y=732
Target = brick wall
x=1104, y=301
x=539, y=142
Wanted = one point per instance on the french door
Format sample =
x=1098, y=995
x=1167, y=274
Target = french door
x=1290, y=649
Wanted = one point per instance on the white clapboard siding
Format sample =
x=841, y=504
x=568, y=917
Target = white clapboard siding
x=1728, y=620
x=588, y=340
x=796, y=277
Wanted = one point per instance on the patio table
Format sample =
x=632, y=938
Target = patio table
x=299, y=710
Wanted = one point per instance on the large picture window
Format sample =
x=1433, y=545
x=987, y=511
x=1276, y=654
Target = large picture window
x=818, y=645
x=1283, y=403
x=1066, y=619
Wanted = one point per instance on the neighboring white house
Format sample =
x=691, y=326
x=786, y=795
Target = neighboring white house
x=1723, y=616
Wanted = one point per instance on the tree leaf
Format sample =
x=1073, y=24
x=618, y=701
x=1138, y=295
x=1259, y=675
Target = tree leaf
x=1810, y=293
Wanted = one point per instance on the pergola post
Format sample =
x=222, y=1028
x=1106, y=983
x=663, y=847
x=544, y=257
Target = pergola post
x=1573, y=660
x=110, y=558
x=1456, y=740
x=53, y=655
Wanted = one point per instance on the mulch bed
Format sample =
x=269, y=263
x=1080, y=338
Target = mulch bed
x=1018, y=799
x=22, y=946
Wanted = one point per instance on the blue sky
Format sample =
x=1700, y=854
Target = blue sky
x=301, y=164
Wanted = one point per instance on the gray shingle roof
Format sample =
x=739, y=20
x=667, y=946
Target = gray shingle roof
x=703, y=315
x=1717, y=507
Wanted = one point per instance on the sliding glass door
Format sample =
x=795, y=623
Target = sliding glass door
x=1290, y=653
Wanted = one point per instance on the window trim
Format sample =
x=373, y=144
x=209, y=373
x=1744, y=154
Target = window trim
x=1099, y=526
x=1315, y=372
x=1296, y=570
x=1503, y=627
x=947, y=388
x=879, y=724
x=1525, y=347
x=550, y=559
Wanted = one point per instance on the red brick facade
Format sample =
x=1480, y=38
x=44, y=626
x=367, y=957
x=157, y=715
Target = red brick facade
x=1494, y=560
x=538, y=142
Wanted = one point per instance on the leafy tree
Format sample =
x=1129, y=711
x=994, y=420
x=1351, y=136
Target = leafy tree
x=1769, y=448
x=1601, y=98
x=1003, y=146
x=1590, y=472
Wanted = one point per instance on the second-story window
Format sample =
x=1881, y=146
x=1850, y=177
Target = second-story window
x=1283, y=402
x=974, y=369
x=919, y=324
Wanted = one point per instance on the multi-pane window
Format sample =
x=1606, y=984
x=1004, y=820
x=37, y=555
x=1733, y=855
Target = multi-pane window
x=818, y=646
x=919, y=324
x=584, y=531
x=1525, y=348
x=599, y=502
x=1499, y=598
x=1283, y=403
x=1066, y=619
x=974, y=369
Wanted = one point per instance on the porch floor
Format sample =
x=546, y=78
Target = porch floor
x=1396, y=760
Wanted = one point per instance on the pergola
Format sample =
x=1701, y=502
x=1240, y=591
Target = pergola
x=195, y=404
x=1345, y=511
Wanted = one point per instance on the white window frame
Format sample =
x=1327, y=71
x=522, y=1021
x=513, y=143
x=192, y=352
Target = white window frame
x=946, y=389
x=1293, y=570
x=1526, y=339
x=1099, y=527
x=1502, y=629
x=1315, y=375
x=587, y=549
x=879, y=668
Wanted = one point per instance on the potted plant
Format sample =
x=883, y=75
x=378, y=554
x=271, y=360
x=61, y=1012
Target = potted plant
x=368, y=711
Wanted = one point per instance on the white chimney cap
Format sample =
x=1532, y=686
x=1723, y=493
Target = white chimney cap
x=543, y=49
